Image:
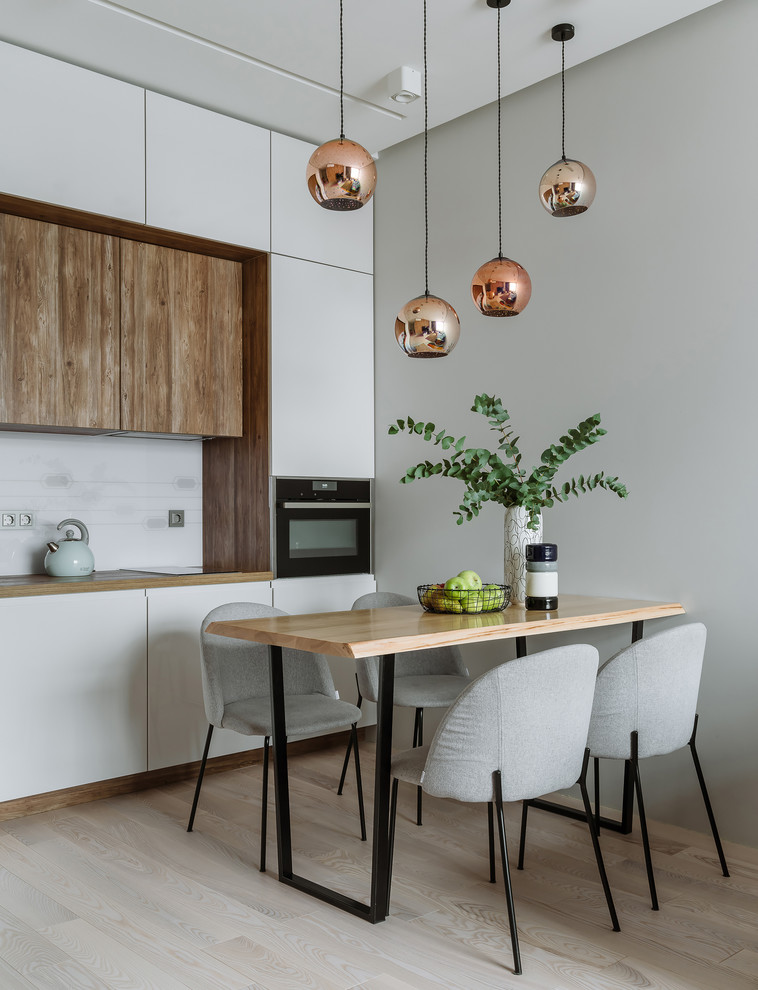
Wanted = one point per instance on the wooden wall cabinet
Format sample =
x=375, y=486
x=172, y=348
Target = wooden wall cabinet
x=59, y=326
x=181, y=341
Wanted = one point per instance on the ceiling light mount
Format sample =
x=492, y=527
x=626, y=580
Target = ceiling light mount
x=561, y=32
x=498, y=3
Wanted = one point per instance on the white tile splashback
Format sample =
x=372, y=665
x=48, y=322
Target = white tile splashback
x=120, y=487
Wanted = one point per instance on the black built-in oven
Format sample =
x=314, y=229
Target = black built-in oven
x=321, y=526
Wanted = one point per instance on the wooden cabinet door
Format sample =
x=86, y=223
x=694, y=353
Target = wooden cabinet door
x=181, y=342
x=58, y=326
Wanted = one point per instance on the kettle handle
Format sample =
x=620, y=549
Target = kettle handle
x=76, y=522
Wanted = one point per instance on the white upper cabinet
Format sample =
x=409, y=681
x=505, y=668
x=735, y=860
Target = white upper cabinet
x=303, y=229
x=71, y=137
x=322, y=371
x=207, y=174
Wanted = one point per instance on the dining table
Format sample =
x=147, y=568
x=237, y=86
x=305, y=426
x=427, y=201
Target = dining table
x=385, y=632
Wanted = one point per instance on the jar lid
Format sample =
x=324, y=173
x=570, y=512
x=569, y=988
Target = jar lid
x=542, y=551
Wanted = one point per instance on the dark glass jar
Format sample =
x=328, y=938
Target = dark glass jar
x=542, y=577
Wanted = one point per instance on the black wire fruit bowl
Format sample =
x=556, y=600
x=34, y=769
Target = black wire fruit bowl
x=490, y=598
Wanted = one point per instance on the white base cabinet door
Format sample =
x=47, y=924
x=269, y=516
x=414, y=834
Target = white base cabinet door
x=73, y=704
x=334, y=593
x=177, y=725
x=207, y=174
x=77, y=138
x=322, y=371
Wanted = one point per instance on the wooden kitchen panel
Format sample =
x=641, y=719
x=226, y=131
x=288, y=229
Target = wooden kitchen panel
x=181, y=341
x=59, y=325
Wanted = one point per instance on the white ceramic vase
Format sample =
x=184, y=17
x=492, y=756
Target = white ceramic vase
x=517, y=535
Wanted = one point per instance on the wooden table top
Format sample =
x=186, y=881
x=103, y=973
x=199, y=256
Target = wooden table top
x=374, y=631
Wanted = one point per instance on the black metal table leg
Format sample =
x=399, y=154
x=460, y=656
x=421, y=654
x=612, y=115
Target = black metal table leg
x=281, y=780
x=380, y=859
x=376, y=909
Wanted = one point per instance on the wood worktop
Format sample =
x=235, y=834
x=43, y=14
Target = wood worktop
x=371, y=632
x=24, y=585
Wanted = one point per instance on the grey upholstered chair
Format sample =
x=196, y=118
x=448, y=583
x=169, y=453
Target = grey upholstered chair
x=431, y=678
x=236, y=696
x=515, y=733
x=645, y=705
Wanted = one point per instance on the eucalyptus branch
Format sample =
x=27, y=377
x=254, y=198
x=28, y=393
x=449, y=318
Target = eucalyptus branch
x=488, y=478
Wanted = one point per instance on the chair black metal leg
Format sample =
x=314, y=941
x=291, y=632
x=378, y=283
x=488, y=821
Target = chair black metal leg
x=204, y=760
x=349, y=746
x=596, y=779
x=522, y=837
x=506, y=872
x=418, y=740
x=596, y=842
x=264, y=804
x=643, y=822
x=359, y=782
x=707, y=801
x=393, y=819
x=491, y=833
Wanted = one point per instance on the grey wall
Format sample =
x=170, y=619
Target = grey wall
x=642, y=310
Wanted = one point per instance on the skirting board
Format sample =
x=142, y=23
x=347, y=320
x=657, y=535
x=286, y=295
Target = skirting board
x=53, y=800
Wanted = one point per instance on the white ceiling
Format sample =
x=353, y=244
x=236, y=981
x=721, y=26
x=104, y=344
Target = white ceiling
x=276, y=62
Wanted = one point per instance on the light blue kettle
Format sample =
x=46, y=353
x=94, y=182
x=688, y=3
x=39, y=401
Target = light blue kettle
x=71, y=557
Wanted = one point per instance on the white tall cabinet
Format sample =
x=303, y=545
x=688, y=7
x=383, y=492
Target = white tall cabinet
x=73, y=703
x=177, y=725
x=322, y=370
x=72, y=137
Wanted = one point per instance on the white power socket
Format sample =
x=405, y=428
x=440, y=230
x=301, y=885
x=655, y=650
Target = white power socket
x=16, y=519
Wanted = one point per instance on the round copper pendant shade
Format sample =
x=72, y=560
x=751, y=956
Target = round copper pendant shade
x=427, y=327
x=341, y=175
x=567, y=188
x=501, y=287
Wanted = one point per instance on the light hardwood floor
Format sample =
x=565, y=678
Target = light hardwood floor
x=116, y=894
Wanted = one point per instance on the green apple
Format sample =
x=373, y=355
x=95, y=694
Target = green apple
x=451, y=604
x=474, y=601
x=471, y=580
x=455, y=584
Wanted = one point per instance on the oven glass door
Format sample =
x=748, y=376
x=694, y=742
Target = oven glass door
x=322, y=539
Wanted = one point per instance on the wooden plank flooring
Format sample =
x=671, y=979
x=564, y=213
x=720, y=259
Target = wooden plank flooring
x=116, y=894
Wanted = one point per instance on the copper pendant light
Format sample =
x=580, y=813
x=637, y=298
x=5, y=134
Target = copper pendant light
x=568, y=186
x=501, y=287
x=427, y=326
x=341, y=175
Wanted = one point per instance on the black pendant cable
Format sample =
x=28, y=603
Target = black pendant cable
x=427, y=326
x=341, y=174
x=568, y=187
x=500, y=287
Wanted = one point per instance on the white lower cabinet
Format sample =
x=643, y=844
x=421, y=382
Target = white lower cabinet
x=73, y=704
x=335, y=593
x=177, y=725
